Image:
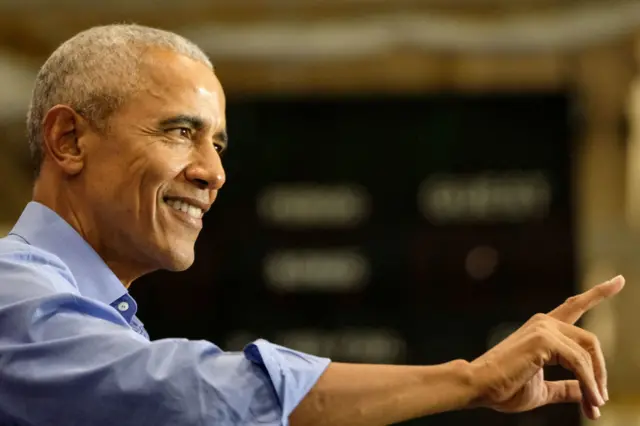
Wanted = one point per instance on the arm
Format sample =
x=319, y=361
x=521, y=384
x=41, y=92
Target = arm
x=508, y=378
x=76, y=360
x=369, y=395
x=68, y=360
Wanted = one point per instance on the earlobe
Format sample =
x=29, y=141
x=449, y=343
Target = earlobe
x=63, y=129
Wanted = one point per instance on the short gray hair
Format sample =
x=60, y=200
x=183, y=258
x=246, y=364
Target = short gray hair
x=94, y=72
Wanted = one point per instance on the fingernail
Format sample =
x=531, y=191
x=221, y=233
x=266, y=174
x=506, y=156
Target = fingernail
x=600, y=400
x=605, y=394
x=596, y=412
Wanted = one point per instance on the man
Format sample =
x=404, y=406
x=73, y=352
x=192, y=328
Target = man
x=126, y=127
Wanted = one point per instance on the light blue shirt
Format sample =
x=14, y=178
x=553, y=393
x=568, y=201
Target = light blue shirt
x=72, y=351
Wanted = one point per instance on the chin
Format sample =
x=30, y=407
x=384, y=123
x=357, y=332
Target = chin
x=178, y=262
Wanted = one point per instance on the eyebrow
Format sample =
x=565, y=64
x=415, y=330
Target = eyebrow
x=192, y=121
x=222, y=136
x=195, y=123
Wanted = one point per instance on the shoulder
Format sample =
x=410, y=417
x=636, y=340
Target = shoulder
x=24, y=263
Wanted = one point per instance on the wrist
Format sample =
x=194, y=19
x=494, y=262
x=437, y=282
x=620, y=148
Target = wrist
x=466, y=376
x=458, y=387
x=481, y=391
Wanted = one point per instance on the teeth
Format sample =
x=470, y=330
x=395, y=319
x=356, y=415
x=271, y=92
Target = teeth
x=193, y=211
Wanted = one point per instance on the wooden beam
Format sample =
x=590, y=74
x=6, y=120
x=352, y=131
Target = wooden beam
x=40, y=30
x=398, y=72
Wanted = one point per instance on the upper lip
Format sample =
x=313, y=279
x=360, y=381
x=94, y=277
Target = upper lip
x=192, y=201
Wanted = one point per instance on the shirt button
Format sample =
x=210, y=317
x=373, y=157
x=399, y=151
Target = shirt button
x=123, y=306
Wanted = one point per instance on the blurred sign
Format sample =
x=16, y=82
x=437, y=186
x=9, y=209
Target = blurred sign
x=305, y=205
x=381, y=346
x=511, y=197
x=316, y=270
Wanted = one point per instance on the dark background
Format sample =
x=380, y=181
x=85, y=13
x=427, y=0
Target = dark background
x=420, y=304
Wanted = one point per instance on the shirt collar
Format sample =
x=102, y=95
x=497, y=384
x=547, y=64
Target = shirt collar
x=43, y=228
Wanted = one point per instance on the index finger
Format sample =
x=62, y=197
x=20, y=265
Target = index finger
x=571, y=310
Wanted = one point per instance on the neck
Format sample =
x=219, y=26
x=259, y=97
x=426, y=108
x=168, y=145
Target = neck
x=81, y=221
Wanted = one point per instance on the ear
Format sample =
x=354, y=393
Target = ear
x=63, y=133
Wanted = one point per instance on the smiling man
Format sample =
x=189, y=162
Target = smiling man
x=127, y=128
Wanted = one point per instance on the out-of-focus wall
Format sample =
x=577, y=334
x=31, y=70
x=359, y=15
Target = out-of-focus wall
x=618, y=247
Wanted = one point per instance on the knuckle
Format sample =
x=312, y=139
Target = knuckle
x=541, y=330
x=590, y=341
x=600, y=291
x=573, y=300
x=540, y=336
x=539, y=319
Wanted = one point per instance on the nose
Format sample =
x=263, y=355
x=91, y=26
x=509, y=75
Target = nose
x=207, y=171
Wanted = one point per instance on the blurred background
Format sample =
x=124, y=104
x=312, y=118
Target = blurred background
x=408, y=181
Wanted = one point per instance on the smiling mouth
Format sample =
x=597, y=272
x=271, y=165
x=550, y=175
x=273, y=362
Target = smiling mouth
x=183, y=206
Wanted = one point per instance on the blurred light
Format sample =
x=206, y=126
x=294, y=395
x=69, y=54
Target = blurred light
x=486, y=197
x=365, y=345
x=354, y=345
x=308, y=341
x=314, y=205
x=316, y=270
x=481, y=262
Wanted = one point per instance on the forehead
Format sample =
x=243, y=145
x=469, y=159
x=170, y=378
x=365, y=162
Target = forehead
x=173, y=84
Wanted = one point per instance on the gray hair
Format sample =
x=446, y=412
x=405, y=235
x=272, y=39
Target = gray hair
x=94, y=73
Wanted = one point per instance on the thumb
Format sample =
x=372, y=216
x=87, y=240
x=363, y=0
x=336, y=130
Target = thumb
x=563, y=391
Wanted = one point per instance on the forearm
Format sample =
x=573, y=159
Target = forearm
x=369, y=395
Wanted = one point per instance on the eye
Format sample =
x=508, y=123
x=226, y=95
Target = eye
x=219, y=147
x=183, y=132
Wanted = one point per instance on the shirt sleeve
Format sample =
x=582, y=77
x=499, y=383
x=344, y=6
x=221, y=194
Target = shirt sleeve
x=68, y=360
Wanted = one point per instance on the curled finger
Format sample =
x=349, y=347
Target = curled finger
x=589, y=342
x=575, y=358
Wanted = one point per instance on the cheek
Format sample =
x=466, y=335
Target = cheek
x=157, y=170
x=111, y=168
x=173, y=166
x=168, y=162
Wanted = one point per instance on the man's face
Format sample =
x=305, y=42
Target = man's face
x=156, y=170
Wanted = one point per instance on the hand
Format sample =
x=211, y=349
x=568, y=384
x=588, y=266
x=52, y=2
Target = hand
x=510, y=376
